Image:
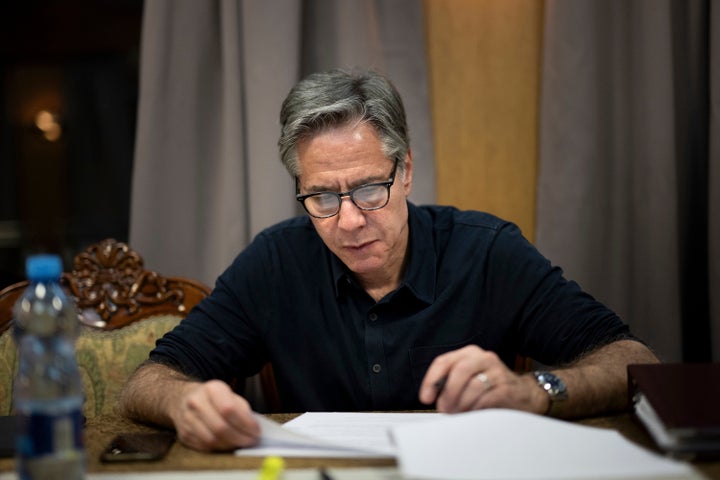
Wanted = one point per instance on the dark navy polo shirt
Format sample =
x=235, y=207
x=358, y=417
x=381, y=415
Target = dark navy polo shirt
x=471, y=278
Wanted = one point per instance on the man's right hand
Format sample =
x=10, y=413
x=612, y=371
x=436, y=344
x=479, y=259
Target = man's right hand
x=207, y=416
x=210, y=416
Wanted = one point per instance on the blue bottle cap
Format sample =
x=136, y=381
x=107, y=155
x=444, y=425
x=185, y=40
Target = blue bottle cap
x=43, y=267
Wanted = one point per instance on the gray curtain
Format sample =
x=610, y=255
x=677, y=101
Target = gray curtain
x=629, y=187
x=207, y=175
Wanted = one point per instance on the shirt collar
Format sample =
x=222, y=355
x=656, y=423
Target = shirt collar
x=420, y=276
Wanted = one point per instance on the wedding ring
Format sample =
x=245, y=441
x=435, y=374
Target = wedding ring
x=484, y=379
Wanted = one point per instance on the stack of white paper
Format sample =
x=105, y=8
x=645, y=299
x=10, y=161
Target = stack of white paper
x=486, y=444
x=509, y=444
x=332, y=434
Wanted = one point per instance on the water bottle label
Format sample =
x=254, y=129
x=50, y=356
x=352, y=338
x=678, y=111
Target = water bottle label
x=41, y=434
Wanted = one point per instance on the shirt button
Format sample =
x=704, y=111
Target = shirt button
x=373, y=317
x=376, y=368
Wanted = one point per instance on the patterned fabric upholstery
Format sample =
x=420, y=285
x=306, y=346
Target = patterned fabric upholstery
x=106, y=359
x=8, y=365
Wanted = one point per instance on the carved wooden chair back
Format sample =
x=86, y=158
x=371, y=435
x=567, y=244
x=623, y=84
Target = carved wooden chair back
x=123, y=309
x=113, y=289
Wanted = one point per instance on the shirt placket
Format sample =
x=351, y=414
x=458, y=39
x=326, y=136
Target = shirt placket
x=377, y=363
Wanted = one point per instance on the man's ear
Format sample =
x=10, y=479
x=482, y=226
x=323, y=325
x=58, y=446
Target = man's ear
x=408, y=173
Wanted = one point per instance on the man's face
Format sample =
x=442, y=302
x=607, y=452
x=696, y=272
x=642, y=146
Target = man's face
x=371, y=243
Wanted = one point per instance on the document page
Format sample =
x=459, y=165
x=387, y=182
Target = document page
x=503, y=444
x=363, y=431
x=332, y=434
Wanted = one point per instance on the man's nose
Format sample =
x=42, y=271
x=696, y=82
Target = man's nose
x=350, y=216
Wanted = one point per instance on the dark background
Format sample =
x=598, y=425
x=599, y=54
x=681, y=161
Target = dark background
x=68, y=185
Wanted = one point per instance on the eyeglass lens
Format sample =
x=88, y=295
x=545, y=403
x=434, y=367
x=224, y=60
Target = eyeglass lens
x=367, y=197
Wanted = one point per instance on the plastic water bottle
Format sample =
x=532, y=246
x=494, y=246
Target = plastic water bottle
x=47, y=394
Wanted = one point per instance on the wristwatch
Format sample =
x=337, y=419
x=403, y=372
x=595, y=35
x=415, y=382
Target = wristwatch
x=553, y=385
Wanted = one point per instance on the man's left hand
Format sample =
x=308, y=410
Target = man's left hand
x=473, y=379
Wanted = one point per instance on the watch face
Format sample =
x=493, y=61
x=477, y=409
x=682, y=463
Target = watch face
x=552, y=384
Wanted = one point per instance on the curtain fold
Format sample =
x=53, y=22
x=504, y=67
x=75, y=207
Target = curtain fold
x=714, y=176
x=189, y=141
x=207, y=175
x=624, y=202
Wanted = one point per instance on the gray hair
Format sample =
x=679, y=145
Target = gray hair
x=339, y=97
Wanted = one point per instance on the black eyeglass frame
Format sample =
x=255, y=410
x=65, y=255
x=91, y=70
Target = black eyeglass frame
x=350, y=193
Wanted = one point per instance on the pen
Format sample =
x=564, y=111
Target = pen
x=324, y=475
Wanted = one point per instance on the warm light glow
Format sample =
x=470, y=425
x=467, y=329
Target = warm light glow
x=44, y=120
x=48, y=124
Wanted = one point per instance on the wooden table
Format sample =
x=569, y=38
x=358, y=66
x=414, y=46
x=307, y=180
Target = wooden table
x=100, y=430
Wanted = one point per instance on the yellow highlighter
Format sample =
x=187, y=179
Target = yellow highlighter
x=272, y=468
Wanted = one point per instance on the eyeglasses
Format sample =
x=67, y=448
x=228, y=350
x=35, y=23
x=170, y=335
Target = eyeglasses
x=371, y=196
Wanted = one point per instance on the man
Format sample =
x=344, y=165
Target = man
x=372, y=303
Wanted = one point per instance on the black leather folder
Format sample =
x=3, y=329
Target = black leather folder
x=679, y=405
